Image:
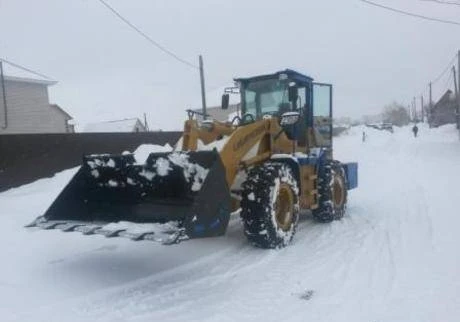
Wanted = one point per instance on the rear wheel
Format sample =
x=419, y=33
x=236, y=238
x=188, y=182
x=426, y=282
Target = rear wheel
x=332, y=189
x=270, y=205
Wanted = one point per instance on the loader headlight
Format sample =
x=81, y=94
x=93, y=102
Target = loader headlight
x=290, y=118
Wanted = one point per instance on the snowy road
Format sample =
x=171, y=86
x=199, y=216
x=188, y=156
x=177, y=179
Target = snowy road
x=394, y=257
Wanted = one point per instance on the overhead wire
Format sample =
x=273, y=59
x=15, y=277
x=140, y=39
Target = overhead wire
x=443, y=2
x=426, y=88
x=410, y=13
x=445, y=69
x=449, y=83
x=457, y=23
x=147, y=37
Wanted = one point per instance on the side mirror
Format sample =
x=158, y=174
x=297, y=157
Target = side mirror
x=225, y=101
x=293, y=93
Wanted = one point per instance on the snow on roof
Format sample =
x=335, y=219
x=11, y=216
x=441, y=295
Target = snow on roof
x=15, y=74
x=126, y=125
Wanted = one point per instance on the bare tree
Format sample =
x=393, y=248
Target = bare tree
x=396, y=113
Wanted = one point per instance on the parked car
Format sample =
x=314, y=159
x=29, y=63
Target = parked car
x=381, y=126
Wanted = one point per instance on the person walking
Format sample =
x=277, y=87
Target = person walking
x=415, y=130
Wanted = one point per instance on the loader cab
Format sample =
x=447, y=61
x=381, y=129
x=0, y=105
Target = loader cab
x=269, y=95
x=287, y=91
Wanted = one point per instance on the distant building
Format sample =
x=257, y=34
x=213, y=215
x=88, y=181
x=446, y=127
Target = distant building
x=444, y=111
x=60, y=113
x=217, y=113
x=214, y=109
x=125, y=125
x=27, y=108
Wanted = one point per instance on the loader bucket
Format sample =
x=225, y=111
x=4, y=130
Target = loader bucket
x=187, y=189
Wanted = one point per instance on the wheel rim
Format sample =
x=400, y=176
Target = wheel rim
x=284, y=207
x=338, y=191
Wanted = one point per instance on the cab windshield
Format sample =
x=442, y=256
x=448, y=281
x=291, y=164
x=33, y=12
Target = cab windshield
x=266, y=97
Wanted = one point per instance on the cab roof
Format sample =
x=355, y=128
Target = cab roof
x=291, y=74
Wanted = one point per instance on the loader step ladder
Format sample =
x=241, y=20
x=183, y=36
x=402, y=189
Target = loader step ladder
x=310, y=197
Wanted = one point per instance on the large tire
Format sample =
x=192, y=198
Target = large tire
x=270, y=205
x=332, y=190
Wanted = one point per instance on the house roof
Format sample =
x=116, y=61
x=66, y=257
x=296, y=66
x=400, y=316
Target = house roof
x=125, y=125
x=448, y=97
x=29, y=80
x=15, y=74
x=59, y=109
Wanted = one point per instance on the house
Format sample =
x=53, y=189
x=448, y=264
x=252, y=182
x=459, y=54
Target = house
x=60, y=113
x=125, y=125
x=25, y=106
x=444, y=111
x=217, y=113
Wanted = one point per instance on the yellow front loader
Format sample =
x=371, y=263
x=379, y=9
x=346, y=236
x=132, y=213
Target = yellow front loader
x=271, y=161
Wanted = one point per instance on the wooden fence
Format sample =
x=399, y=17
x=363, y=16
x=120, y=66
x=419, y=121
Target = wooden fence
x=28, y=157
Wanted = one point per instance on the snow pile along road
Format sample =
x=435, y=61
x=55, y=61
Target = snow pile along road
x=394, y=257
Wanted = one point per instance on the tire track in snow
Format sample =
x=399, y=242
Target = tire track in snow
x=239, y=269
x=319, y=241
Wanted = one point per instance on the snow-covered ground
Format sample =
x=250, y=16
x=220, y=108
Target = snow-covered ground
x=394, y=257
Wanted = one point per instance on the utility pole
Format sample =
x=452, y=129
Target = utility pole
x=145, y=123
x=423, y=109
x=5, y=107
x=415, y=110
x=203, y=92
x=458, y=90
x=430, y=106
x=456, y=97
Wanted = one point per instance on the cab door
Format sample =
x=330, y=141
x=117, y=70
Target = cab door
x=322, y=114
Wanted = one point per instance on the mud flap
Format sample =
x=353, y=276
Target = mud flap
x=351, y=171
x=188, y=188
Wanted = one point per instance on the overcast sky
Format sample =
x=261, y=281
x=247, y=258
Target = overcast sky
x=107, y=71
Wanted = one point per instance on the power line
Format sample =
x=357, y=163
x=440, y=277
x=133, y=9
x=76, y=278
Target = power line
x=443, y=2
x=410, y=13
x=445, y=70
x=448, y=83
x=440, y=75
x=24, y=68
x=149, y=39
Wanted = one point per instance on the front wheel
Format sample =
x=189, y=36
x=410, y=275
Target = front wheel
x=332, y=189
x=270, y=205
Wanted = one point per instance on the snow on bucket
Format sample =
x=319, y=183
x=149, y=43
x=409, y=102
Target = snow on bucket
x=187, y=187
